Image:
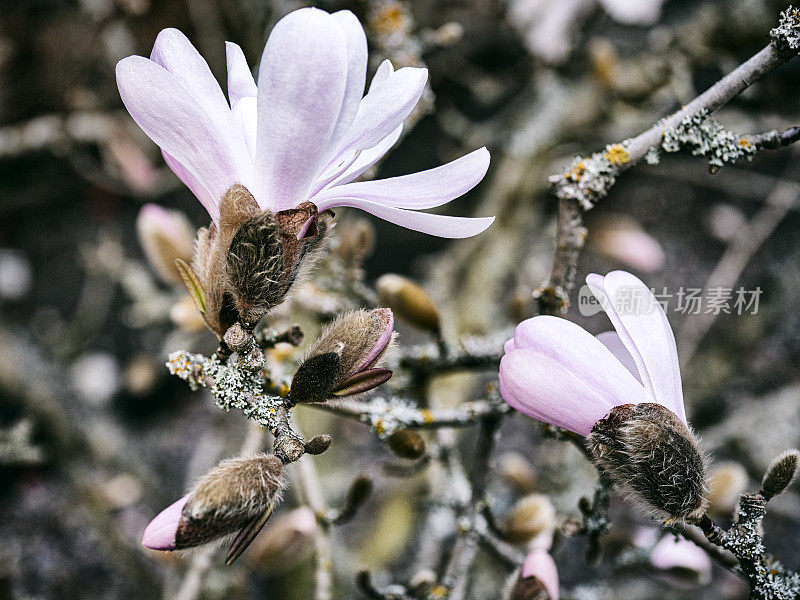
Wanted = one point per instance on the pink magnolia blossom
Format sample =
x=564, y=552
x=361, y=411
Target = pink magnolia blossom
x=160, y=533
x=541, y=565
x=304, y=133
x=556, y=372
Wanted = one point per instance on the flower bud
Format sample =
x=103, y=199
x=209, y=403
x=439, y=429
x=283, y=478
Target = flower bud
x=409, y=301
x=235, y=495
x=165, y=235
x=517, y=471
x=342, y=360
x=726, y=483
x=682, y=558
x=648, y=451
x=780, y=473
x=406, y=443
x=286, y=541
x=532, y=516
x=538, y=578
x=318, y=444
x=355, y=241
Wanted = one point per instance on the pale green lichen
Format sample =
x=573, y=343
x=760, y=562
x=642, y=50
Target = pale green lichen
x=786, y=36
x=589, y=179
x=703, y=136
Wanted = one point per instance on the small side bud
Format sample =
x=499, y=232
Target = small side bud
x=410, y=302
x=238, y=494
x=406, y=443
x=165, y=235
x=649, y=452
x=342, y=361
x=517, y=471
x=532, y=516
x=538, y=578
x=237, y=337
x=727, y=481
x=318, y=444
x=780, y=474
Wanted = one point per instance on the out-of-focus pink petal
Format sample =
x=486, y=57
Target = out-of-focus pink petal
x=549, y=391
x=541, y=565
x=612, y=341
x=240, y=80
x=367, y=158
x=581, y=354
x=509, y=346
x=174, y=120
x=356, y=73
x=160, y=533
x=301, y=86
x=644, y=329
x=385, y=69
x=670, y=553
x=245, y=114
x=384, y=108
x=426, y=189
x=194, y=185
x=438, y=225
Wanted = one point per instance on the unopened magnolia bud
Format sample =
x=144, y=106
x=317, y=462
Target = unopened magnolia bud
x=726, y=482
x=517, y=471
x=165, y=235
x=409, y=301
x=780, y=473
x=648, y=451
x=234, y=495
x=318, y=444
x=343, y=360
x=624, y=240
x=531, y=517
x=406, y=443
x=538, y=578
x=285, y=541
x=682, y=558
x=356, y=239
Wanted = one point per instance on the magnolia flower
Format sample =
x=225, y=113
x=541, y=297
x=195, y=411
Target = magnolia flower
x=682, y=556
x=622, y=390
x=303, y=134
x=538, y=578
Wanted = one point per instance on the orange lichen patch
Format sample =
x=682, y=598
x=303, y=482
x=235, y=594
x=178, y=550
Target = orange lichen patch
x=427, y=415
x=380, y=427
x=744, y=143
x=390, y=18
x=576, y=172
x=616, y=154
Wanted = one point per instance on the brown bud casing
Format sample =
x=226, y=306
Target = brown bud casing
x=529, y=588
x=649, y=452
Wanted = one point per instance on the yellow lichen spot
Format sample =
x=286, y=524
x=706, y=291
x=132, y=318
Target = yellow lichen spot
x=283, y=391
x=389, y=19
x=616, y=155
x=439, y=591
x=427, y=415
x=744, y=143
x=379, y=426
x=576, y=172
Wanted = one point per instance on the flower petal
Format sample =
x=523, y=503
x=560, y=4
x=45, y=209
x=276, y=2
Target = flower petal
x=160, y=533
x=194, y=185
x=581, y=354
x=612, y=341
x=438, y=225
x=426, y=189
x=385, y=69
x=356, y=73
x=245, y=114
x=644, y=329
x=546, y=390
x=541, y=565
x=180, y=126
x=384, y=107
x=240, y=79
x=301, y=85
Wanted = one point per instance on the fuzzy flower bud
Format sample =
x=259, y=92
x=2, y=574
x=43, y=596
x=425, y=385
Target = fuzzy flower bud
x=780, y=473
x=406, y=443
x=286, y=541
x=409, y=301
x=238, y=494
x=538, y=578
x=532, y=516
x=654, y=456
x=726, y=483
x=165, y=235
x=342, y=360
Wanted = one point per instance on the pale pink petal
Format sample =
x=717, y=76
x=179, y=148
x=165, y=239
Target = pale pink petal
x=612, y=341
x=509, y=346
x=356, y=73
x=194, y=185
x=541, y=565
x=160, y=533
x=380, y=344
x=245, y=115
x=644, y=329
x=670, y=554
x=438, y=225
x=581, y=354
x=383, y=109
x=426, y=189
x=301, y=86
x=367, y=158
x=240, y=79
x=175, y=121
x=550, y=391
x=385, y=69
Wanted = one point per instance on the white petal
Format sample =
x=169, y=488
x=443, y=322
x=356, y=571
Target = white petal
x=240, y=79
x=245, y=114
x=174, y=120
x=385, y=69
x=356, y=73
x=367, y=158
x=612, y=341
x=644, y=329
x=190, y=181
x=426, y=189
